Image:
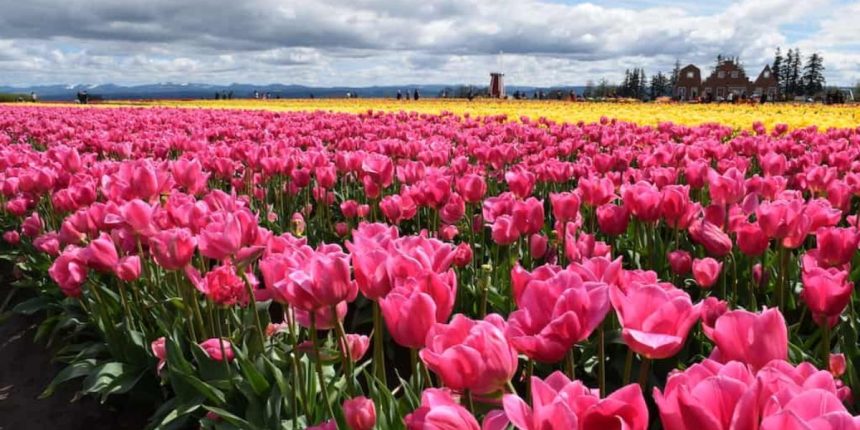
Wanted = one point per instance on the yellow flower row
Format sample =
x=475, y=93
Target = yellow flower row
x=737, y=116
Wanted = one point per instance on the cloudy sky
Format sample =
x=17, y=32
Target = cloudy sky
x=382, y=42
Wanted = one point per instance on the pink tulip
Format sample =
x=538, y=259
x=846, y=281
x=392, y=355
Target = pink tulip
x=159, y=350
x=642, y=200
x=751, y=239
x=520, y=182
x=826, y=292
x=324, y=318
x=469, y=354
x=705, y=396
x=101, y=254
x=32, y=225
x=528, y=216
x=323, y=280
x=453, y=210
x=836, y=246
x=538, y=246
x=218, y=349
x=172, y=249
x=706, y=271
x=409, y=315
x=462, y=255
x=357, y=345
x=221, y=237
x=439, y=411
x=472, y=187
x=754, y=339
x=222, y=285
x=836, y=365
x=596, y=191
x=69, y=271
x=504, y=231
x=565, y=206
x=680, y=262
x=655, y=320
x=360, y=413
x=561, y=404
x=555, y=314
x=612, y=219
x=716, y=242
x=726, y=189
x=128, y=268
x=712, y=309
x=12, y=237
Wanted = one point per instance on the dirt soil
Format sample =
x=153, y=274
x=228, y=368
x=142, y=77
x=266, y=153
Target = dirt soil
x=25, y=371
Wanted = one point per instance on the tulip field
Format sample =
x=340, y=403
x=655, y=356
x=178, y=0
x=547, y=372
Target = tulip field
x=486, y=270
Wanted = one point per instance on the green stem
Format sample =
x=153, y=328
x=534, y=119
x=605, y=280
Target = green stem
x=318, y=365
x=378, y=351
x=825, y=344
x=601, y=360
x=628, y=366
x=571, y=364
x=346, y=358
x=644, y=368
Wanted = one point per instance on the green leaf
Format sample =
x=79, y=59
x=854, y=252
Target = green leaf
x=213, y=394
x=31, y=306
x=75, y=370
x=252, y=374
x=104, y=376
x=230, y=418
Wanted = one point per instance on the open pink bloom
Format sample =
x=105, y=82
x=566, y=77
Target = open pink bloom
x=596, y=191
x=706, y=271
x=655, y=320
x=642, y=199
x=836, y=246
x=360, y=413
x=69, y=271
x=705, y=396
x=750, y=338
x=32, y=225
x=555, y=314
x=528, y=215
x=472, y=187
x=520, y=182
x=172, y=249
x=727, y=188
x=471, y=355
x=128, y=268
x=811, y=409
x=218, y=349
x=439, y=411
x=410, y=313
x=221, y=237
x=369, y=250
x=101, y=254
x=223, y=286
x=716, y=242
x=322, y=280
x=561, y=404
x=504, y=230
x=826, y=292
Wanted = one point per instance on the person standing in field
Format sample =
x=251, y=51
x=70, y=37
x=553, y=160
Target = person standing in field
x=415, y=94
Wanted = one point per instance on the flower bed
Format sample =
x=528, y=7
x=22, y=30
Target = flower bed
x=263, y=270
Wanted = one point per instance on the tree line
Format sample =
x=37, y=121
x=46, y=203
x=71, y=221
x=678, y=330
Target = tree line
x=796, y=76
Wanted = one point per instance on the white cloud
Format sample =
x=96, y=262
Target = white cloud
x=378, y=42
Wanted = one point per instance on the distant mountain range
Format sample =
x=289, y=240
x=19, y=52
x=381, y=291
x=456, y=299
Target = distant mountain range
x=206, y=91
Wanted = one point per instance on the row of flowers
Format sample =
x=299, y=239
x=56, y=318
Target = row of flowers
x=388, y=270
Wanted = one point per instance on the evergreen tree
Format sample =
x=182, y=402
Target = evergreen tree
x=813, y=75
x=776, y=68
x=643, y=85
x=794, y=74
x=673, y=78
x=625, y=85
x=659, y=85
